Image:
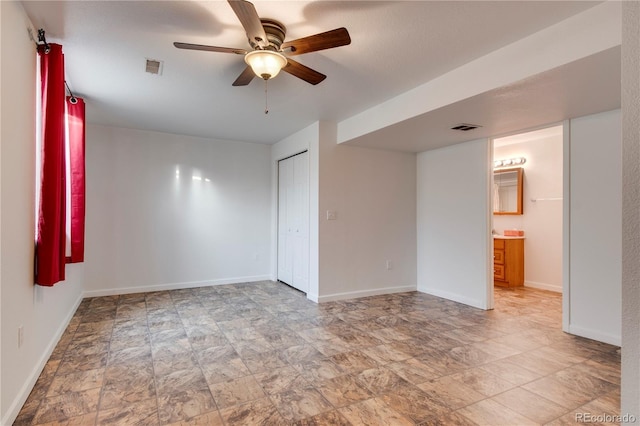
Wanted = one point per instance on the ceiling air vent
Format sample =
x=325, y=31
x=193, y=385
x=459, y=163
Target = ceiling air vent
x=465, y=127
x=154, y=67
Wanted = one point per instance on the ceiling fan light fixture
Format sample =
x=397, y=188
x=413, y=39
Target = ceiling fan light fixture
x=265, y=64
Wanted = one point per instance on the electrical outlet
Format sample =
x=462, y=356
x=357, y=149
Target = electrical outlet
x=20, y=336
x=256, y=257
x=389, y=265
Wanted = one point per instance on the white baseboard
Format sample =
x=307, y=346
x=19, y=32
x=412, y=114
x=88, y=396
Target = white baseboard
x=360, y=293
x=595, y=335
x=544, y=286
x=174, y=286
x=454, y=297
x=23, y=394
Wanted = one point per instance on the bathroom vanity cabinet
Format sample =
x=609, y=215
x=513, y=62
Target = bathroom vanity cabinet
x=508, y=261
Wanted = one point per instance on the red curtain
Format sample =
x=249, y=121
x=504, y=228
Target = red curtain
x=76, y=137
x=50, y=241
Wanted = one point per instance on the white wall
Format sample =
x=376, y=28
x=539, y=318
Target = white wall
x=1, y=411
x=631, y=209
x=595, y=227
x=148, y=229
x=304, y=140
x=373, y=195
x=43, y=312
x=453, y=223
x=541, y=220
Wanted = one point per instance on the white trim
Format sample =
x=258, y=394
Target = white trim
x=312, y=297
x=566, y=225
x=490, y=300
x=23, y=394
x=595, y=335
x=361, y=293
x=544, y=286
x=454, y=297
x=174, y=286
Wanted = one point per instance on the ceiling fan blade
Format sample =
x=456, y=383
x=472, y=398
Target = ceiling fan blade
x=303, y=72
x=209, y=48
x=244, y=78
x=321, y=41
x=246, y=13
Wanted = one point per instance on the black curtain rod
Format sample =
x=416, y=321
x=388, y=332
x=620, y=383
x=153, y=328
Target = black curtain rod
x=42, y=39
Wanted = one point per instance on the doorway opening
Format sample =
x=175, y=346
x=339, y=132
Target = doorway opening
x=527, y=219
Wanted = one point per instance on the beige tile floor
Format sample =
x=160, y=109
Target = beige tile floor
x=261, y=353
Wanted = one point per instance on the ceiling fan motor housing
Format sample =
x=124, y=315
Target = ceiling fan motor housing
x=275, y=31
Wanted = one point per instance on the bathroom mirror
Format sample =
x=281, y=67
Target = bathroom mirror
x=507, y=191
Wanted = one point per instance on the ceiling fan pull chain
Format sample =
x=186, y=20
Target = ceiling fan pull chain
x=266, y=98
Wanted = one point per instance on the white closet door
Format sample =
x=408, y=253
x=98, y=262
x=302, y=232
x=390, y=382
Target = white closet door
x=301, y=228
x=285, y=196
x=293, y=221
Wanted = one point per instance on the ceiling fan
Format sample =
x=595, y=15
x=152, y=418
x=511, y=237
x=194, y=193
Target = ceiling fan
x=267, y=57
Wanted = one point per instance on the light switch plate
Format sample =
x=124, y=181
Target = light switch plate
x=331, y=215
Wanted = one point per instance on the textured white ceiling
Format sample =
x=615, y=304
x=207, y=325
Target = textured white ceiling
x=395, y=47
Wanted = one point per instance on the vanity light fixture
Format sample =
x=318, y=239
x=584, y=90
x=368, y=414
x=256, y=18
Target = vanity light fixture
x=518, y=161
